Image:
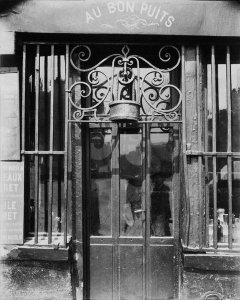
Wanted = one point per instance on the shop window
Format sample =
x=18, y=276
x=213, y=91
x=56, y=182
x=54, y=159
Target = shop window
x=221, y=145
x=47, y=218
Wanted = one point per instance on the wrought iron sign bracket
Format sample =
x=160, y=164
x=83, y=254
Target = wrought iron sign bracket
x=124, y=88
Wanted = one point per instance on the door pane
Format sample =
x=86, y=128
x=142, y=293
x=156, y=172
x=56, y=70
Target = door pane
x=131, y=213
x=100, y=192
x=161, y=182
x=131, y=272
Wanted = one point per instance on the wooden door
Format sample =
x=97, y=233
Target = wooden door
x=131, y=204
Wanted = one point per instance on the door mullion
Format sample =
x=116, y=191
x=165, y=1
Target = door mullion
x=115, y=192
x=144, y=206
x=147, y=208
x=86, y=217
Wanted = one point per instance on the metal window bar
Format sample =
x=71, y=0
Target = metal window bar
x=23, y=96
x=36, y=203
x=199, y=106
x=214, y=119
x=205, y=158
x=184, y=140
x=229, y=145
x=50, y=194
x=66, y=145
x=147, y=143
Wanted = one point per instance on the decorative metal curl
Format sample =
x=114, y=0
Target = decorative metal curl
x=150, y=89
x=157, y=81
x=81, y=58
x=85, y=94
x=154, y=102
x=166, y=57
x=127, y=77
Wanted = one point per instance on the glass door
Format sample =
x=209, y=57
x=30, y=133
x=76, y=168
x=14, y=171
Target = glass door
x=131, y=204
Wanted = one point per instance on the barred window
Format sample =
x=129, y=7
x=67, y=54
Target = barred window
x=44, y=144
x=221, y=146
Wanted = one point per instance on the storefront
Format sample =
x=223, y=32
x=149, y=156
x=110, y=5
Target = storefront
x=120, y=149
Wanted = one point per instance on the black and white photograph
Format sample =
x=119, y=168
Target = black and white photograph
x=119, y=150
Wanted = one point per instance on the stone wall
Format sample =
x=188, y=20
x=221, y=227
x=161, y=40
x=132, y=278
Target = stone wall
x=201, y=284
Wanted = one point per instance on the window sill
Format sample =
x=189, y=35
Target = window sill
x=36, y=253
x=213, y=261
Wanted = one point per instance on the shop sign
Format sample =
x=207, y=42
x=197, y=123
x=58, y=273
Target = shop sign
x=150, y=17
x=130, y=15
x=9, y=115
x=11, y=202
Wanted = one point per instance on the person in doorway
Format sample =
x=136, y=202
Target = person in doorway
x=132, y=210
x=160, y=206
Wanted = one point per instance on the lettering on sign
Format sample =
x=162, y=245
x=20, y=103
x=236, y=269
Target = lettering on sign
x=131, y=15
x=11, y=202
x=9, y=116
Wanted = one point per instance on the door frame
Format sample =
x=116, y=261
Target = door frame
x=147, y=240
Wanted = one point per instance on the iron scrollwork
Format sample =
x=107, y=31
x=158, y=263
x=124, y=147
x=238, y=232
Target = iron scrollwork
x=125, y=79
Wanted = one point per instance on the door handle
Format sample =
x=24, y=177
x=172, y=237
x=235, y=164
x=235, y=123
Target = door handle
x=139, y=210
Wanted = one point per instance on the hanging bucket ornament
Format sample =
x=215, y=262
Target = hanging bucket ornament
x=126, y=107
x=124, y=111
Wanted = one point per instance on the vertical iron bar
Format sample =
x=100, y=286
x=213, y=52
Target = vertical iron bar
x=148, y=208
x=115, y=196
x=88, y=182
x=52, y=97
x=36, y=203
x=23, y=95
x=50, y=193
x=66, y=146
x=24, y=112
x=184, y=138
x=206, y=162
x=199, y=126
x=213, y=93
x=183, y=100
x=145, y=201
x=229, y=146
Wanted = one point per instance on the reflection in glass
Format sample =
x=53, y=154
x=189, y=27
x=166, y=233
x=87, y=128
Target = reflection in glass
x=100, y=181
x=44, y=98
x=29, y=209
x=161, y=182
x=236, y=201
x=208, y=113
x=209, y=199
x=222, y=201
x=59, y=103
x=235, y=95
x=221, y=109
x=43, y=193
x=132, y=213
x=222, y=193
x=58, y=196
x=30, y=99
x=222, y=124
